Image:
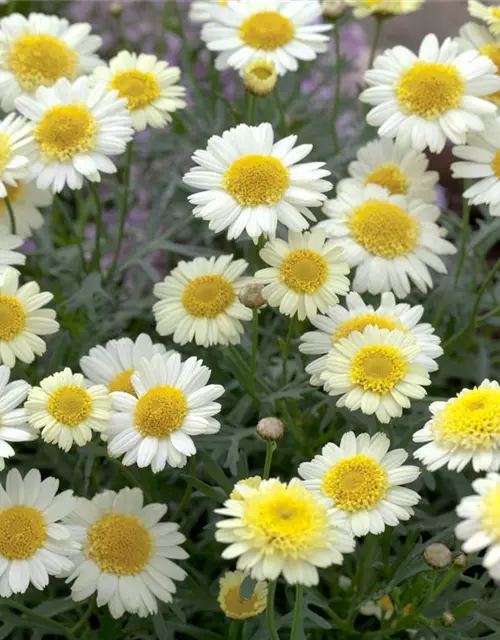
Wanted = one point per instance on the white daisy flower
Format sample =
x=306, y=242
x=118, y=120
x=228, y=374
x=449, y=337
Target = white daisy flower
x=481, y=522
x=199, y=301
x=8, y=256
x=390, y=239
x=127, y=553
x=13, y=425
x=36, y=50
x=114, y=364
x=16, y=151
x=22, y=319
x=25, y=200
x=171, y=403
x=306, y=275
x=364, y=478
x=476, y=37
x=377, y=371
x=464, y=429
x=76, y=128
x=66, y=411
x=233, y=604
x=201, y=10
x=250, y=183
x=384, y=8
x=279, y=528
x=279, y=31
x=422, y=100
x=480, y=158
x=340, y=322
x=487, y=13
x=34, y=544
x=400, y=170
x=148, y=84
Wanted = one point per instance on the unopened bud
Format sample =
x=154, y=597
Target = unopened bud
x=259, y=77
x=270, y=429
x=251, y=296
x=437, y=555
x=115, y=9
x=333, y=8
x=461, y=560
x=447, y=619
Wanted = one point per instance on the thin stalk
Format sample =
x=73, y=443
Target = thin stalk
x=281, y=110
x=338, y=77
x=270, y=447
x=255, y=344
x=270, y=616
x=234, y=630
x=49, y=622
x=95, y=263
x=464, y=236
x=286, y=351
x=187, y=493
x=72, y=229
x=376, y=37
x=251, y=103
x=297, y=624
x=123, y=208
x=12, y=218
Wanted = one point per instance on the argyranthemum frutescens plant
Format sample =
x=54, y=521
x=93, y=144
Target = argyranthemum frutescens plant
x=223, y=294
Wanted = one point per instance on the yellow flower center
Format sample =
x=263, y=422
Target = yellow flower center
x=471, y=420
x=261, y=69
x=5, y=150
x=253, y=482
x=22, y=532
x=208, y=296
x=160, y=411
x=304, y=271
x=489, y=514
x=123, y=382
x=384, y=229
x=64, y=131
x=286, y=520
x=389, y=176
x=141, y=89
x=12, y=318
x=359, y=323
x=378, y=368
x=266, y=30
x=38, y=60
x=71, y=405
x=492, y=50
x=253, y=180
x=429, y=89
x=236, y=607
x=495, y=164
x=14, y=194
x=119, y=544
x=355, y=483
x=495, y=12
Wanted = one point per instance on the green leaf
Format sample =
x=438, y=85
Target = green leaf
x=215, y=471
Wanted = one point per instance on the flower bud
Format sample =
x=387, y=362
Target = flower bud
x=115, y=9
x=270, y=429
x=259, y=77
x=333, y=9
x=460, y=560
x=437, y=555
x=447, y=619
x=251, y=296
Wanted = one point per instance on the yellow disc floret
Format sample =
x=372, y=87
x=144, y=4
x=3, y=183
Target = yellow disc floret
x=389, y=176
x=208, y=296
x=492, y=50
x=495, y=164
x=12, y=318
x=5, y=150
x=119, y=544
x=359, y=323
x=64, y=131
x=254, y=180
x=160, y=411
x=232, y=602
x=489, y=514
x=71, y=405
x=304, y=271
x=123, y=382
x=266, y=30
x=13, y=193
x=253, y=482
x=378, y=368
x=139, y=88
x=355, y=483
x=22, y=532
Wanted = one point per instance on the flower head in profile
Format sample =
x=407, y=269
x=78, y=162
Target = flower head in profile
x=34, y=543
x=16, y=151
x=76, y=128
x=378, y=371
x=198, y=301
x=231, y=601
x=487, y=13
x=149, y=85
x=364, y=478
x=423, y=100
x=127, y=553
x=278, y=528
x=200, y=10
x=248, y=182
x=390, y=239
x=9, y=257
x=383, y=8
x=282, y=31
x=25, y=199
x=260, y=77
x=464, y=429
x=306, y=274
x=37, y=50
x=476, y=37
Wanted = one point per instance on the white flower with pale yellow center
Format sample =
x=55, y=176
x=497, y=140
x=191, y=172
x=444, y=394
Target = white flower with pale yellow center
x=306, y=274
x=148, y=85
x=400, y=170
x=364, y=478
x=8, y=256
x=378, y=371
x=463, y=429
x=423, y=100
x=127, y=553
x=340, y=322
x=476, y=37
x=391, y=240
x=198, y=301
x=278, y=528
x=25, y=200
x=114, y=363
x=280, y=31
x=172, y=402
x=16, y=151
x=480, y=158
x=481, y=522
x=383, y=8
x=201, y=10
x=23, y=320
x=76, y=128
x=235, y=605
x=13, y=421
x=487, y=13
x=34, y=543
x=36, y=50
x=249, y=183
x=66, y=411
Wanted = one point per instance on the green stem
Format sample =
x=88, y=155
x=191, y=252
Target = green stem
x=12, y=217
x=281, y=111
x=270, y=447
x=48, y=622
x=234, y=630
x=123, y=208
x=251, y=104
x=376, y=37
x=244, y=630
x=286, y=351
x=270, y=616
x=338, y=77
x=187, y=493
x=95, y=263
x=72, y=229
x=255, y=344
x=297, y=624
x=464, y=236
x=85, y=617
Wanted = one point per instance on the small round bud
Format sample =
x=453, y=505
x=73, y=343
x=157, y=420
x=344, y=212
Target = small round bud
x=251, y=296
x=437, y=555
x=270, y=429
x=115, y=9
x=259, y=77
x=460, y=560
x=333, y=9
x=447, y=618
